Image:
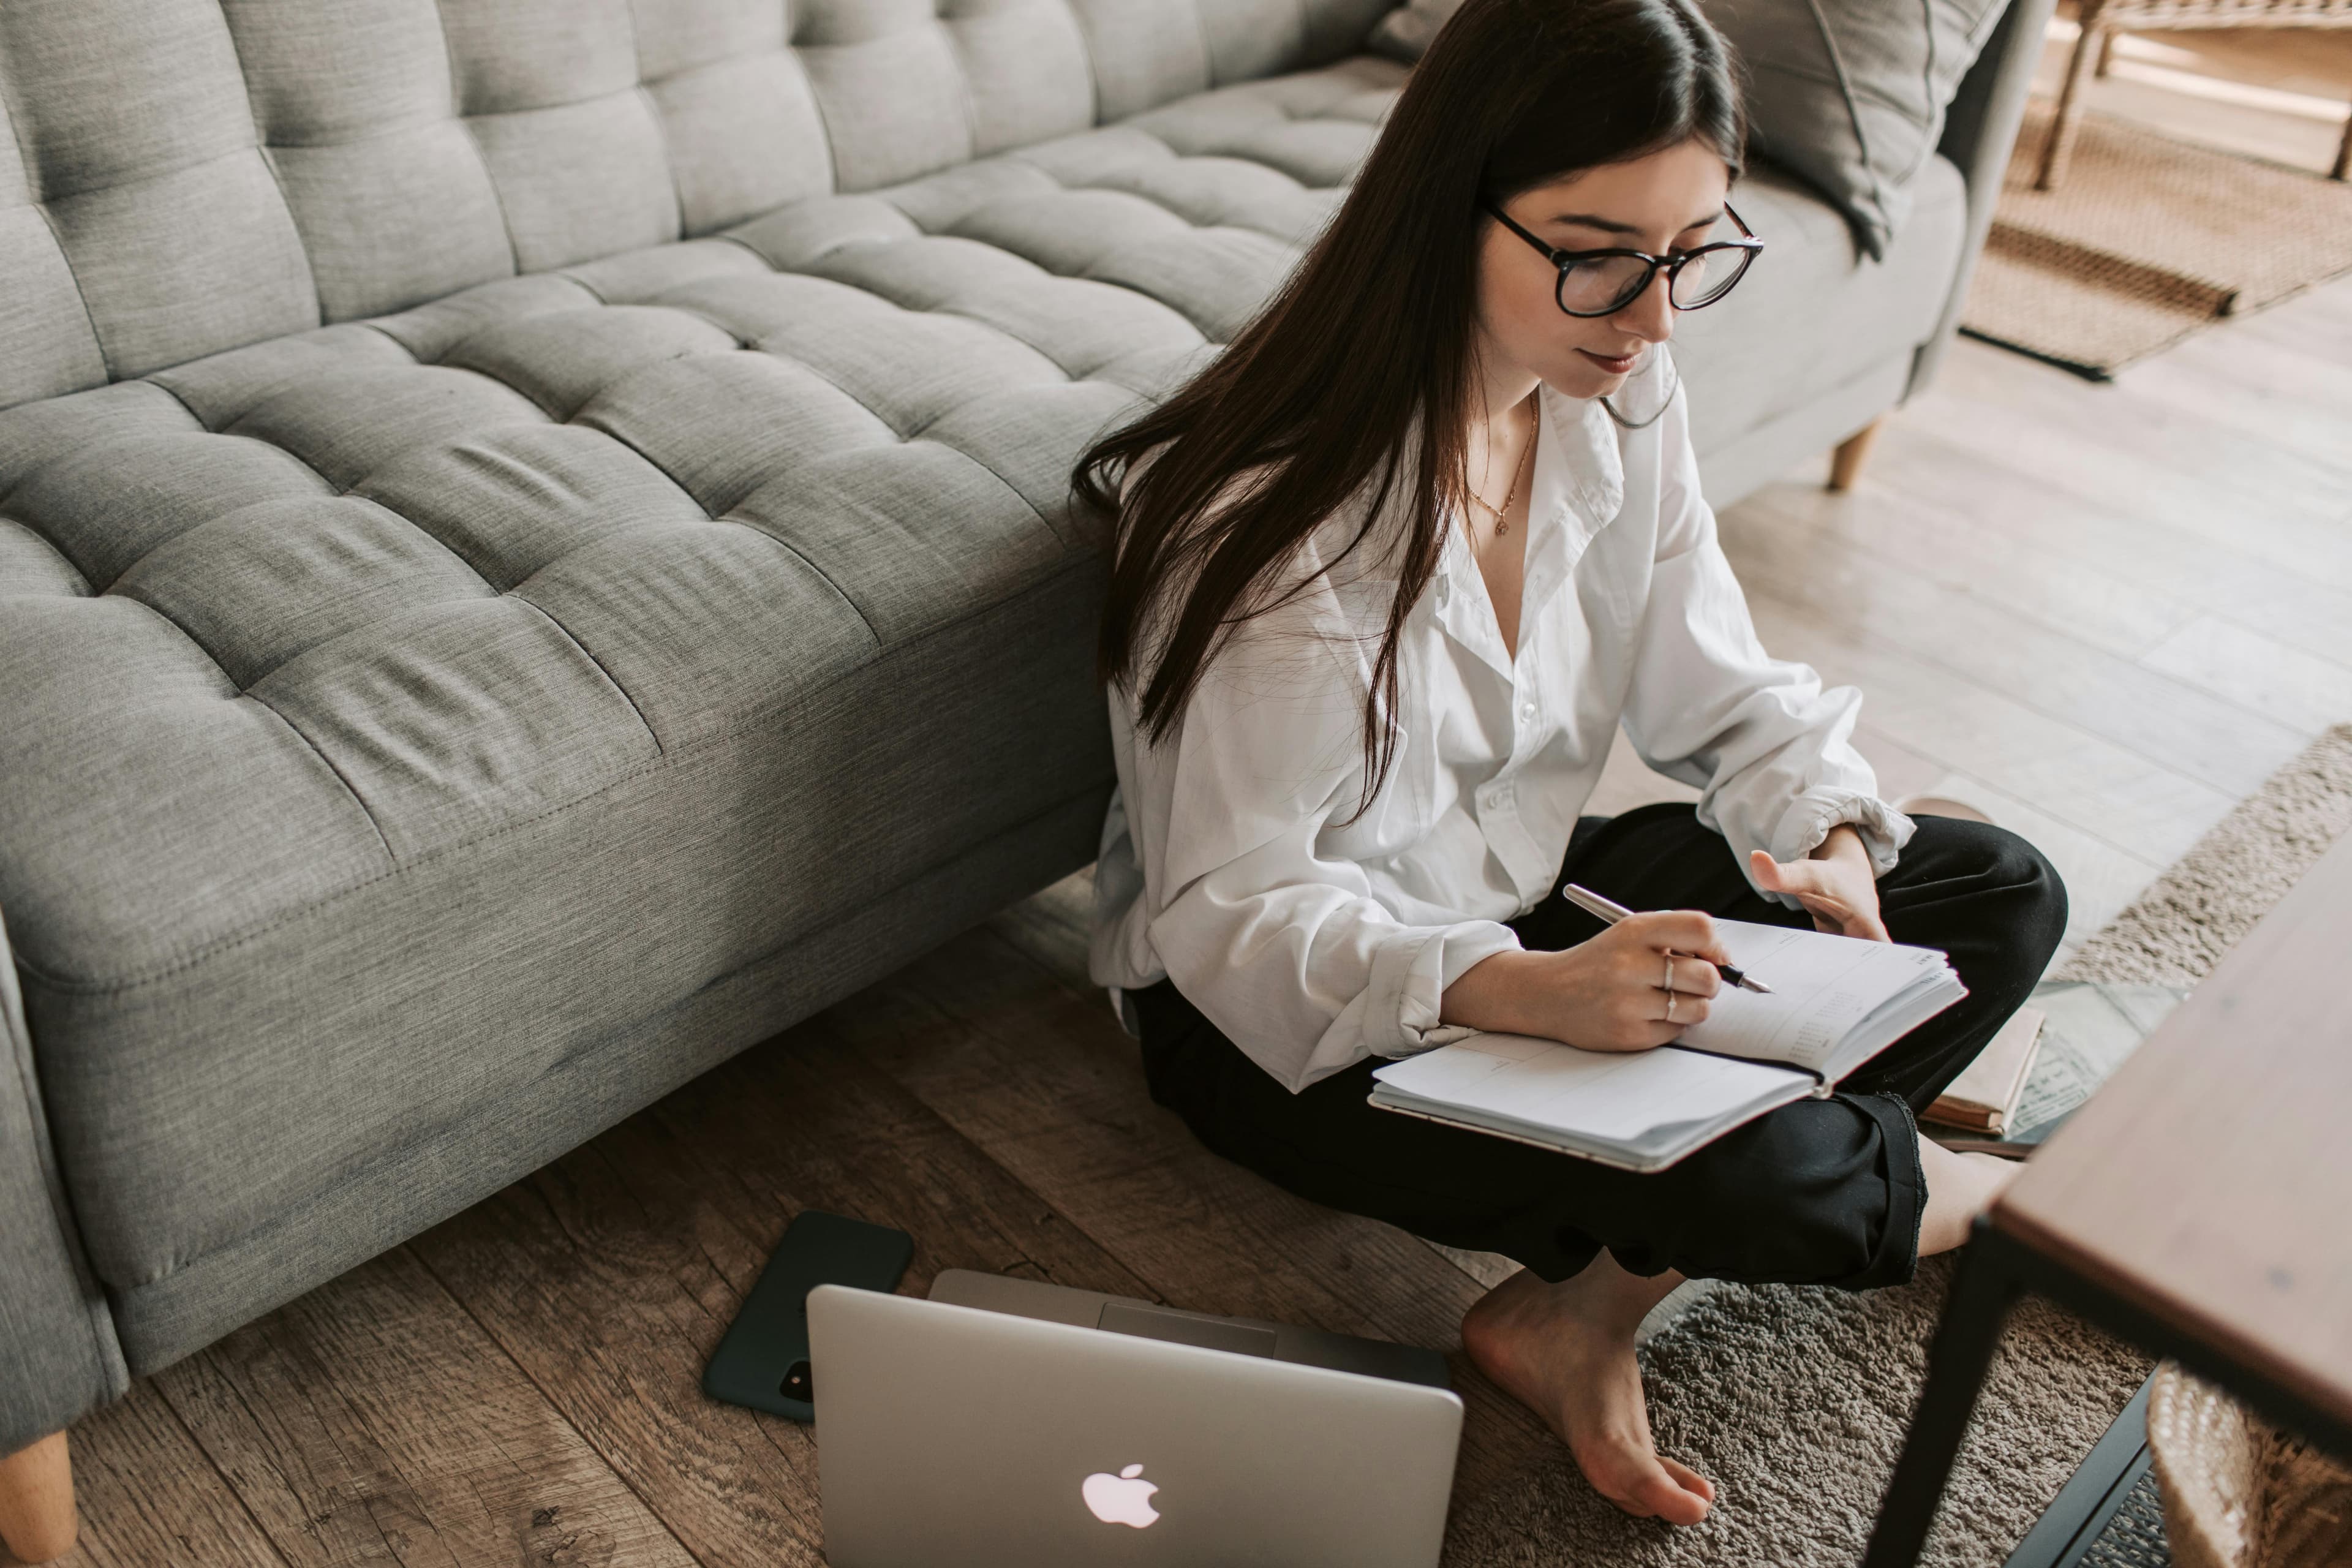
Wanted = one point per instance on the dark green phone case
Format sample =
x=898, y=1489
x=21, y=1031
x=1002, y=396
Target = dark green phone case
x=764, y=1361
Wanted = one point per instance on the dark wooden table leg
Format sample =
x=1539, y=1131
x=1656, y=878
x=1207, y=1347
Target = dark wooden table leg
x=1983, y=1289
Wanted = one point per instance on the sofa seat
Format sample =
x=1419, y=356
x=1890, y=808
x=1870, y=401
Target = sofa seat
x=364, y=689
x=1813, y=315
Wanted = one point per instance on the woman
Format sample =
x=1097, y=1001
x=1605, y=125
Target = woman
x=1387, y=578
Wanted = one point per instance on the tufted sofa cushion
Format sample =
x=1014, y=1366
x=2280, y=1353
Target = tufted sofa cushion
x=178, y=177
x=332, y=662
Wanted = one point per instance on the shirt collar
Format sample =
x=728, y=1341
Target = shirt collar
x=1575, y=488
x=1583, y=473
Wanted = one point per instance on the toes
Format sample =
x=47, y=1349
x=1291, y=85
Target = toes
x=1649, y=1487
x=1675, y=1503
x=1657, y=1495
x=1690, y=1480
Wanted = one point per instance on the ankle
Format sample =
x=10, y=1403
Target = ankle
x=1602, y=1305
x=1504, y=1312
x=1960, y=1186
x=1613, y=1301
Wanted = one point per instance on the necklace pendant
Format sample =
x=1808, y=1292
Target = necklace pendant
x=1501, y=529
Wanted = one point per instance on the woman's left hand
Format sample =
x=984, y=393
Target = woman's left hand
x=1836, y=884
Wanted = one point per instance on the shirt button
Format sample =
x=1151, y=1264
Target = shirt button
x=1526, y=710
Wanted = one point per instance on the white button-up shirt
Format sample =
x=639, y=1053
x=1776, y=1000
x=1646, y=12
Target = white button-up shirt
x=1313, y=943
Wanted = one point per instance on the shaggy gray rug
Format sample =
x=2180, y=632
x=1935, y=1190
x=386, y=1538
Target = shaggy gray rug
x=1795, y=1401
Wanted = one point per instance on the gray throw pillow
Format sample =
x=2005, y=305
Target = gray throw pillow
x=1849, y=95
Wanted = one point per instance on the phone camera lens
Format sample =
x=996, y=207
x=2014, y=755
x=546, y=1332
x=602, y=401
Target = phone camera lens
x=798, y=1384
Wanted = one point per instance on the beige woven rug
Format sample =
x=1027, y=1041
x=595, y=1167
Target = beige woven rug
x=1795, y=1400
x=2146, y=240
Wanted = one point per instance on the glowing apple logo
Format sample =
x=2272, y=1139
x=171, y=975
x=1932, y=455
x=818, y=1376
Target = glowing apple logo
x=1123, y=1498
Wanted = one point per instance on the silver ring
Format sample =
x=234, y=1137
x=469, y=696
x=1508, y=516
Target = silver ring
x=1668, y=988
x=1670, y=1006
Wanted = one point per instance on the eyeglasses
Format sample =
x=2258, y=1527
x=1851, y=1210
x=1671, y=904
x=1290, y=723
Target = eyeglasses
x=1603, y=282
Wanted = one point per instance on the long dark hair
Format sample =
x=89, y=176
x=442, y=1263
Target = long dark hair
x=1372, y=337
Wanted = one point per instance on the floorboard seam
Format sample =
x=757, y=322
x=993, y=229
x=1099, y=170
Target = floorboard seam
x=228, y=1485
x=1872, y=645
x=586, y=1442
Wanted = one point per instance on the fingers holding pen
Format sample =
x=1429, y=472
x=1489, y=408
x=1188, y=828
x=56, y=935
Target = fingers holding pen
x=1687, y=931
x=1689, y=937
x=1641, y=981
x=1694, y=978
x=1661, y=985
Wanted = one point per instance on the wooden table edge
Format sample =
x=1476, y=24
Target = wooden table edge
x=2229, y=1344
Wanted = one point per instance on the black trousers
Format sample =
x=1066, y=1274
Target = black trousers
x=1822, y=1192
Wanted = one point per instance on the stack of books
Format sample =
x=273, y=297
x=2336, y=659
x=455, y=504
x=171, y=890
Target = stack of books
x=1985, y=1097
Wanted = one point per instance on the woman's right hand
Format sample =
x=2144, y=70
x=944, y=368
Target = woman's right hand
x=1605, y=995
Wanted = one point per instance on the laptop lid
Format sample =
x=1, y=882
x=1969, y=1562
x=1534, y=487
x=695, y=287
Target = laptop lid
x=1246, y=1336
x=947, y=1434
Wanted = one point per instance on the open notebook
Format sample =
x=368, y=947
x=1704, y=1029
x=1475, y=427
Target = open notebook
x=1835, y=1003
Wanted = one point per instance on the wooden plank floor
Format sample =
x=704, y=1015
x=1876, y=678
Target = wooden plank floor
x=2104, y=614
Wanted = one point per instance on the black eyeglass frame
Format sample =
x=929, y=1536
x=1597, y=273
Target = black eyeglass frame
x=1568, y=260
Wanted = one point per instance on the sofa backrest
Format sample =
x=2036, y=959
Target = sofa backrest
x=178, y=177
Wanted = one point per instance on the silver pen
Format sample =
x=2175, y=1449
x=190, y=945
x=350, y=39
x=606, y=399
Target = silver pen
x=1593, y=904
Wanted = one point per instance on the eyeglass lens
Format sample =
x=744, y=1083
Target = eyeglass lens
x=1609, y=282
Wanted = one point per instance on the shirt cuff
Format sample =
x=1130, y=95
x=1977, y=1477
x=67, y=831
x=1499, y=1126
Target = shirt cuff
x=1409, y=981
x=1811, y=815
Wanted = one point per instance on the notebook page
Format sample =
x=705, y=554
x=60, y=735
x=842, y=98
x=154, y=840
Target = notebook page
x=1823, y=985
x=1910, y=1007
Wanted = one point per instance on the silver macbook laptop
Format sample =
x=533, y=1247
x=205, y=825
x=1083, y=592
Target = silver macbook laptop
x=1005, y=1422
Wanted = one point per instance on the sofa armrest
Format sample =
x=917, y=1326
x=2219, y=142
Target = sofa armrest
x=59, y=1355
x=1979, y=128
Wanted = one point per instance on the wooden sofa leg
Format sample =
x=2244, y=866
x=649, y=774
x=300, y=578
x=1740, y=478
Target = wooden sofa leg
x=1846, y=463
x=37, y=1500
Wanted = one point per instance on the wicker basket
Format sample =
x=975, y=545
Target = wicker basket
x=2238, y=1494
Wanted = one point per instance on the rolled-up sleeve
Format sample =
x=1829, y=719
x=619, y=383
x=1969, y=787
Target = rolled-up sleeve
x=1285, y=949
x=1770, y=751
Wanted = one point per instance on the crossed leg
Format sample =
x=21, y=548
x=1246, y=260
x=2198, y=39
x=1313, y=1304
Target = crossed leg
x=1828, y=1191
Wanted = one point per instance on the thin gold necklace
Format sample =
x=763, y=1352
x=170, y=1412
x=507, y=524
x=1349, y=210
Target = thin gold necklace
x=1502, y=518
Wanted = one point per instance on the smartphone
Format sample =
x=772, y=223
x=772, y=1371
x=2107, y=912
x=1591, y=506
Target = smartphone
x=763, y=1360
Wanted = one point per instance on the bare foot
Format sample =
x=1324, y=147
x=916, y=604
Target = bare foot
x=1566, y=1352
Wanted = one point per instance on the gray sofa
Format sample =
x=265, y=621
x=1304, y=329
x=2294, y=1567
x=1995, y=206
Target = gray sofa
x=535, y=551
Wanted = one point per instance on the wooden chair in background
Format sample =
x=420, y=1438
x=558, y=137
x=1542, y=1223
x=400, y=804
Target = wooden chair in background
x=2101, y=20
